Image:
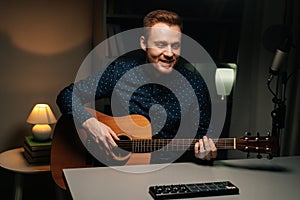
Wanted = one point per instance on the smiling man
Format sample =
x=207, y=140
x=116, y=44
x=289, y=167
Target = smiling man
x=173, y=94
x=162, y=45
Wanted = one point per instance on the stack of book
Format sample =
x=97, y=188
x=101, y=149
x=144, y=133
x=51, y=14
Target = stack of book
x=37, y=152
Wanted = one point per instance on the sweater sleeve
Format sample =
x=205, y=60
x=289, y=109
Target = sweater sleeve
x=72, y=99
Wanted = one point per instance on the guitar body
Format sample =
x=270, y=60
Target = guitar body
x=131, y=127
x=67, y=149
x=69, y=144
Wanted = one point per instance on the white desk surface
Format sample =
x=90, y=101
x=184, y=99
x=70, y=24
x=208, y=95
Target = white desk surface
x=275, y=179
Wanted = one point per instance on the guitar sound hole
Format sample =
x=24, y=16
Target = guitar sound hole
x=124, y=137
x=125, y=145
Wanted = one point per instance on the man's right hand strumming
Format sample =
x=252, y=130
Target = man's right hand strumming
x=102, y=134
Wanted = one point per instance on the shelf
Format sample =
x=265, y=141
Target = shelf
x=124, y=16
x=214, y=24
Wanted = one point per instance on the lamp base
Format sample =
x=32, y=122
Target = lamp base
x=41, y=132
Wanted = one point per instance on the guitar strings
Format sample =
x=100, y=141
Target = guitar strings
x=147, y=145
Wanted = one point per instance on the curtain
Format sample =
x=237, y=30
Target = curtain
x=252, y=101
x=291, y=135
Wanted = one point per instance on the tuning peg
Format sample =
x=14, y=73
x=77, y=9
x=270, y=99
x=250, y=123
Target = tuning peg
x=269, y=156
x=247, y=133
x=259, y=156
x=248, y=155
x=257, y=136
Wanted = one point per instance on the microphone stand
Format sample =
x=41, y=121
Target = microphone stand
x=279, y=100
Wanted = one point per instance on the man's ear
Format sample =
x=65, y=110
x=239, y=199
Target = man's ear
x=143, y=43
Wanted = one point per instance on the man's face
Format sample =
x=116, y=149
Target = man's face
x=163, y=46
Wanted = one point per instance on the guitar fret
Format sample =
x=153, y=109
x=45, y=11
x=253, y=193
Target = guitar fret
x=149, y=146
x=140, y=146
x=166, y=144
x=180, y=144
x=166, y=147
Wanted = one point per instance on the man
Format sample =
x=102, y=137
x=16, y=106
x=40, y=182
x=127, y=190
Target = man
x=157, y=99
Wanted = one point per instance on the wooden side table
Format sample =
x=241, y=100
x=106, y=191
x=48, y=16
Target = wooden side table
x=14, y=160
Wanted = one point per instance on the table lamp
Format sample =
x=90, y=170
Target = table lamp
x=41, y=116
x=224, y=79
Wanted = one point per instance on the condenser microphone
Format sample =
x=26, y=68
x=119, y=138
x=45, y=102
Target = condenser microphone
x=280, y=57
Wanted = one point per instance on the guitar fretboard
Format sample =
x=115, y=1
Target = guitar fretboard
x=150, y=145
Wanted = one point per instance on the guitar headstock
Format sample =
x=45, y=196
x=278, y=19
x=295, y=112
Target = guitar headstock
x=258, y=144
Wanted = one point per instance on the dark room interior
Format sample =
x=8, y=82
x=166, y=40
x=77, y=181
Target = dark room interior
x=43, y=44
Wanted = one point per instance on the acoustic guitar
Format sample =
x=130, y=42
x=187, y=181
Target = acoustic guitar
x=69, y=145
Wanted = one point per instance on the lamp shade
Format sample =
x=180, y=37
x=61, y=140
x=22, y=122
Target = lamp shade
x=224, y=79
x=41, y=114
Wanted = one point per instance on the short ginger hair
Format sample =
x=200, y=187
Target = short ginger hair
x=162, y=16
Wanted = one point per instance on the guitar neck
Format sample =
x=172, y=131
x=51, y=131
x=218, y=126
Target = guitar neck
x=150, y=145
